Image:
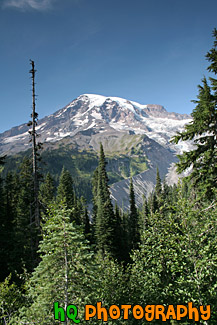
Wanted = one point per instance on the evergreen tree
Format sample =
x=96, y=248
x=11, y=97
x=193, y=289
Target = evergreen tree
x=84, y=218
x=202, y=130
x=2, y=160
x=47, y=191
x=121, y=236
x=111, y=285
x=153, y=203
x=65, y=271
x=104, y=223
x=165, y=191
x=177, y=260
x=9, y=211
x=25, y=246
x=134, y=231
x=143, y=216
x=11, y=299
x=158, y=186
x=65, y=191
x=86, y=224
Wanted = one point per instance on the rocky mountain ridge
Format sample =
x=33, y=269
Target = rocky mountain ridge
x=99, y=114
x=125, y=128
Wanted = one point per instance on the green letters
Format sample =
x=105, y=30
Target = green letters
x=72, y=315
x=60, y=311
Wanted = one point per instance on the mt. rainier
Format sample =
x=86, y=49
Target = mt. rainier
x=130, y=132
x=99, y=114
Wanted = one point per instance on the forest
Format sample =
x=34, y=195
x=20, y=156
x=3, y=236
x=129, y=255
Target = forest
x=164, y=253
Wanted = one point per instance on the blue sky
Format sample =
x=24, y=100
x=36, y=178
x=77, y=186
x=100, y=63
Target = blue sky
x=152, y=52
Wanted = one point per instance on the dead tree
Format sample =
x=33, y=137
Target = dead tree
x=35, y=148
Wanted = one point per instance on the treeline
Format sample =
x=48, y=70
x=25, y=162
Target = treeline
x=165, y=253
x=108, y=229
x=162, y=254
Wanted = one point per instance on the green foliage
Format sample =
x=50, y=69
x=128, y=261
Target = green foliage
x=64, y=272
x=110, y=235
x=177, y=260
x=11, y=299
x=81, y=164
x=134, y=231
x=23, y=254
x=65, y=191
x=110, y=285
x=104, y=223
x=202, y=159
x=47, y=191
x=9, y=195
x=158, y=186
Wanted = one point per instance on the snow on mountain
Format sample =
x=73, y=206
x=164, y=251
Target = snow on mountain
x=100, y=114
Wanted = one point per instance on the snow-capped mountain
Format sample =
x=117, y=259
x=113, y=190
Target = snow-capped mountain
x=130, y=132
x=96, y=114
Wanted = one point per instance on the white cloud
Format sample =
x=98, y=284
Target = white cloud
x=28, y=4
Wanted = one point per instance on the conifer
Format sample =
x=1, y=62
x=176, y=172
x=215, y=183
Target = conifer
x=64, y=271
x=203, y=130
x=8, y=212
x=47, y=191
x=104, y=219
x=133, y=220
x=158, y=186
x=25, y=247
x=65, y=191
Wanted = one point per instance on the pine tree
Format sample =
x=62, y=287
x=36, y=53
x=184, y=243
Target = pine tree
x=9, y=211
x=64, y=272
x=65, y=191
x=203, y=130
x=47, y=191
x=121, y=237
x=11, y=299
x=25, y=246
x=153, y=203
x=158, y=186
x=2, y=160
x=143, y=216
x=84, y=218
x=134, y=230
x=104, y=223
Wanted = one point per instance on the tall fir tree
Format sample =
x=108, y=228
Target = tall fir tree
x=134, y=231
x=158, y=186
x=121, y=237
x=65, y=191
x=10, y=202
x=66, y=196
x=84, y=218
x=25, y=247
x=65, y=271
x=104, y=218
x=203, y=130
x=47, y=191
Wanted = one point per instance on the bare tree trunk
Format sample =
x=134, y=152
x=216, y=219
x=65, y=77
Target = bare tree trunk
x=34, y=147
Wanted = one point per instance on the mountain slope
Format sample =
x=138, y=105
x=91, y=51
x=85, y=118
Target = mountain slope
x=92, y=114
x=135, y=138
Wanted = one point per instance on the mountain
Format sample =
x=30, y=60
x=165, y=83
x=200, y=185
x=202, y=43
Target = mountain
x=135, y=138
